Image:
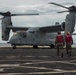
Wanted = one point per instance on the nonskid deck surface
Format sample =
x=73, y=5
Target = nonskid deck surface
x=41, y=61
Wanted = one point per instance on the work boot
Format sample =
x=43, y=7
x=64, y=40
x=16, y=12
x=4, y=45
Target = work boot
x=69, y=53
x=57, y=52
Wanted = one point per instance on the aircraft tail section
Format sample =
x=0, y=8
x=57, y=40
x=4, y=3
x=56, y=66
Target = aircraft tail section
x=6, y=21
x=70, y=22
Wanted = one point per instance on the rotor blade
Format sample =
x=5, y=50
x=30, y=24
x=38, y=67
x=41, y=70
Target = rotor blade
x=23, y=14
x=58, y=5
x=74, y=34
x=62, y=11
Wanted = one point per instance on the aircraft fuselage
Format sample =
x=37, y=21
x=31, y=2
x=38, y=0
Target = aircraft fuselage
x=33, y=38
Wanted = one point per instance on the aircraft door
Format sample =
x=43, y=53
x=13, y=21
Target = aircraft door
x=36, y=38
x=30, y=36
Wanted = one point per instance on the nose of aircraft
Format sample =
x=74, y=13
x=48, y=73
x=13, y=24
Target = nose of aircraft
x=14, y=39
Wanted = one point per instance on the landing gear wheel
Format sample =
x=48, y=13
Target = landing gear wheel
x=52, y=46
x=14, y=46
x=35, y=46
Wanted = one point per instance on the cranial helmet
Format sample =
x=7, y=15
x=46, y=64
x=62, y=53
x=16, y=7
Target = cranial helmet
x=59, y=32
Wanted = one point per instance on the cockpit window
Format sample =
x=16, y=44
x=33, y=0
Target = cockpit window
x=21, y=34
x=14, y=33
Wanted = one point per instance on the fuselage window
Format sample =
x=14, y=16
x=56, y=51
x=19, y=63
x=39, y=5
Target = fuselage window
x=22, y=34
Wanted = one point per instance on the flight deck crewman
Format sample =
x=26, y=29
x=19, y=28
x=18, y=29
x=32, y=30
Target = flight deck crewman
x=59, y=43
x=69, y=42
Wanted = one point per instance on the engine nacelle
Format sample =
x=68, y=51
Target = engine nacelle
x=6, y=21
x=5, y=35
x=63, y=25
x=70, y=22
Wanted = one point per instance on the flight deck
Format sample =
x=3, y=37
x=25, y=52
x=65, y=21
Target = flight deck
x=41, y=61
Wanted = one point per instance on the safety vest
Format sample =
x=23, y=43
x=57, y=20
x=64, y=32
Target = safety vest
x=68, y=38
x=59, y=39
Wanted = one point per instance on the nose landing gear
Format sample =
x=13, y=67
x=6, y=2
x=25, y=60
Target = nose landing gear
x=52, y=46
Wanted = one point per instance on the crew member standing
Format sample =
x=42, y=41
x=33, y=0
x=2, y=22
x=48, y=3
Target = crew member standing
x=69, y=42
x=59, y=44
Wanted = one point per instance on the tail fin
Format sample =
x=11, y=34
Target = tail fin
x=70, y=22
x=6, y=21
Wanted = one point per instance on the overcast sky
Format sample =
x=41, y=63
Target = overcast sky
x=48, y=13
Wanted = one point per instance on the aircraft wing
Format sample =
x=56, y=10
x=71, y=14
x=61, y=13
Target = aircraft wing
x=17, y=28
x=53, y=28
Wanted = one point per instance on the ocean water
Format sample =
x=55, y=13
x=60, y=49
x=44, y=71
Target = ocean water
x=74, y=39
x=6, y=44
x=9, y=45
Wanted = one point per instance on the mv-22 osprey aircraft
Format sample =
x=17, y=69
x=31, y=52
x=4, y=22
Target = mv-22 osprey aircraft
x=37, y=35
